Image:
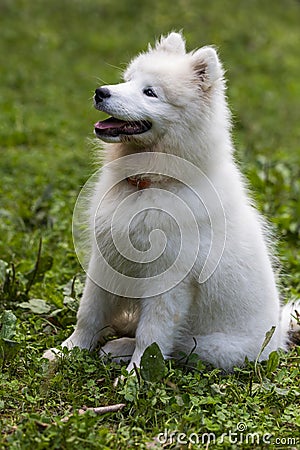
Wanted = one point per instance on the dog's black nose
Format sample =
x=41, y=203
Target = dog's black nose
x=101, y=94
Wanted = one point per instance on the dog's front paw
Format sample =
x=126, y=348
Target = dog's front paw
x=118, y=349
x=52, y=354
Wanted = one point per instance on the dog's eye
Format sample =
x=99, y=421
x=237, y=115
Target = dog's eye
x=149, y=92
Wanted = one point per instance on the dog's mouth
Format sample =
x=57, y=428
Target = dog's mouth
x=113, y=127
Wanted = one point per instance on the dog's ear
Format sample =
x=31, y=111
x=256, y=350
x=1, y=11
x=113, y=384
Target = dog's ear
x=173, y=43
x=207, y=67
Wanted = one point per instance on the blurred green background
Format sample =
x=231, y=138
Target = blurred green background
x=55, y=53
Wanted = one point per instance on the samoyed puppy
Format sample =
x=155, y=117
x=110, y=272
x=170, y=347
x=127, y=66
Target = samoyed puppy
x=169, y=186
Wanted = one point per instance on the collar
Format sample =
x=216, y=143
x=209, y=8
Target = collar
x=140, y=183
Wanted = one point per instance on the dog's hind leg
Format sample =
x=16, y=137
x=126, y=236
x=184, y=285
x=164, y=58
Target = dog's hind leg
x=227, y=350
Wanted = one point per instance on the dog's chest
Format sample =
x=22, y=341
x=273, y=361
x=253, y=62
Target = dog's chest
x=144, y=233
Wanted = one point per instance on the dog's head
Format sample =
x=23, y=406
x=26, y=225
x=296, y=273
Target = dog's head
x=166, y=91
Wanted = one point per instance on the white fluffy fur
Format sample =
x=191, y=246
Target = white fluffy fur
x=228, y=315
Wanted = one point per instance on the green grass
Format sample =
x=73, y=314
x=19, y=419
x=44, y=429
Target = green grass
x=53, y=55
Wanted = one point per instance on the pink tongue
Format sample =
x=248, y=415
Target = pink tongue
x=109, y=123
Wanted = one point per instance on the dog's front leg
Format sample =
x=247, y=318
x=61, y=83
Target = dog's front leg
x=93, y=318
x=159, y=322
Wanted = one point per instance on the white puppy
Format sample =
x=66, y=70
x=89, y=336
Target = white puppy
x=170, y=187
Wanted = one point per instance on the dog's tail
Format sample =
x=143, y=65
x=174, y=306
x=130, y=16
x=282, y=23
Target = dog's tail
x=290, y=321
